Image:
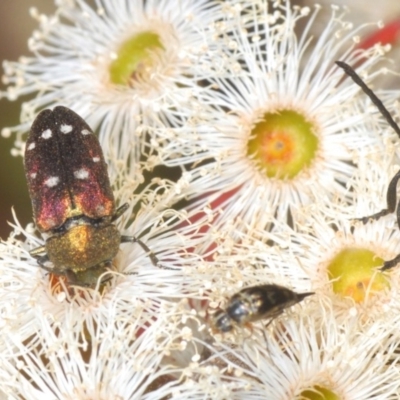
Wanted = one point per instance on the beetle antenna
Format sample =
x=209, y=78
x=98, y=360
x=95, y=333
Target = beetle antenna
x=378, y=103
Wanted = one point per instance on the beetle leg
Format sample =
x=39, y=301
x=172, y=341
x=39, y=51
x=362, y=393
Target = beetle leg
x=119, y=212
x=398, y=214
x=133, y=239
x=38, y=252
x=42, y=260
x=391, y=197
x=391, y=263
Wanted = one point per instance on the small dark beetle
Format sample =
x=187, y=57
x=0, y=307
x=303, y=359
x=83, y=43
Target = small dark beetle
x=255, y=303
x=73, y=204
x=391, y=194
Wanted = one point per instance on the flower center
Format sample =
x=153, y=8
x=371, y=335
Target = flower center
x=134, y=57
x=283, y=143
x=318, y=393
x=354, y=272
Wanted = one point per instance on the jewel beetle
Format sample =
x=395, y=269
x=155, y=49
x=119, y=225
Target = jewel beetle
x=391, y=194
x=72, y=200
x=254, y=303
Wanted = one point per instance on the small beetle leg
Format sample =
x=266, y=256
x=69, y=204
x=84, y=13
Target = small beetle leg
x=38, y=252
x=119, y=211
x=133, y=239
x=391, y=263
x=43, y=260
x=391, y=197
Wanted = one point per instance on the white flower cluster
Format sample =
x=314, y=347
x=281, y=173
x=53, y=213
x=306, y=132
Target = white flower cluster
x=176, y=132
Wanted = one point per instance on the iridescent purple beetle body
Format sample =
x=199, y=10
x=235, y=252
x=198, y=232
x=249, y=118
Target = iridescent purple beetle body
x=72, y=200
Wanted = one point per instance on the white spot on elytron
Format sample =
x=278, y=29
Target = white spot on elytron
x=85, y=132
x=52, y=181
x=65, y=128
x=33, y=175
x=81, y=174
x=31, y=146
x=46, y=134
x=96, y=159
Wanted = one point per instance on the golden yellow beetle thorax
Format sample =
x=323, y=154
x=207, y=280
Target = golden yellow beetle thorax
x=83, y=246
